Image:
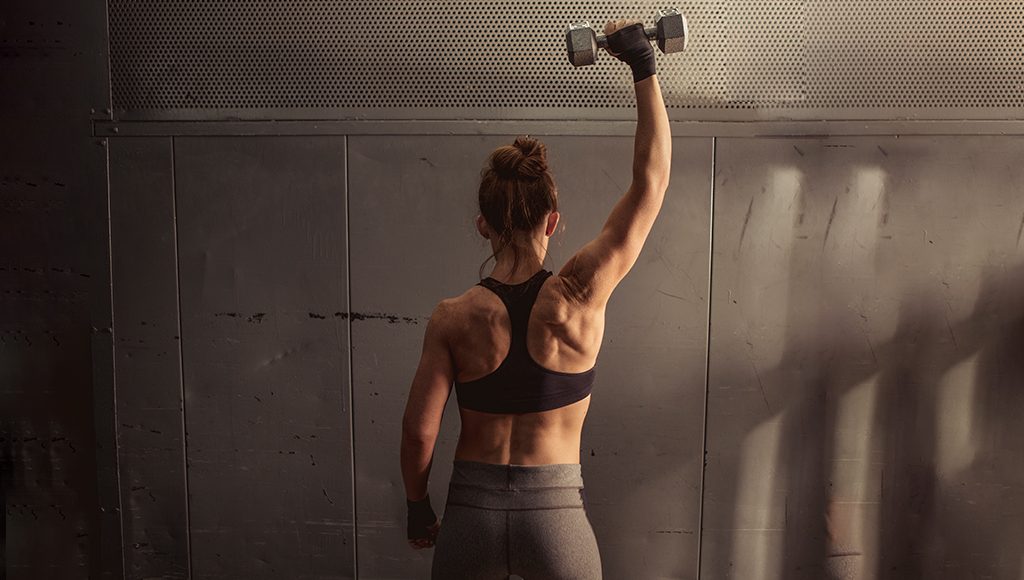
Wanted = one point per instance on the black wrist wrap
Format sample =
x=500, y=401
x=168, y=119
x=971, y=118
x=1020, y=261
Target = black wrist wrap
x=421, y=516
x=631, y=46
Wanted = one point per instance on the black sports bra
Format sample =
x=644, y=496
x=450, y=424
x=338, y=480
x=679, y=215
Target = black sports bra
x=520, y=384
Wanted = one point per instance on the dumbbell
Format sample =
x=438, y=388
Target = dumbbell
x=670, y=31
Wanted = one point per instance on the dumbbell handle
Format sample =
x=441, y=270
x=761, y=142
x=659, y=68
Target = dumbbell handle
x=650, y=32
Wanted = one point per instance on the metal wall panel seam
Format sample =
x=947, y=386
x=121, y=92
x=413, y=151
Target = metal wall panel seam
x=113, y=358
x=181, y=359
x=707, y=361
x=351, y=383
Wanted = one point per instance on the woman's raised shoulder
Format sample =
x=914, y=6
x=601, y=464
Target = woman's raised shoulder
x=560, y=300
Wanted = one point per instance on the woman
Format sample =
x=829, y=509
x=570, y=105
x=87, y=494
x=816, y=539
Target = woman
x=520, y=348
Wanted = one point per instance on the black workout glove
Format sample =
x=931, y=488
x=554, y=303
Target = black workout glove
x=630, y=45
x=421, y=517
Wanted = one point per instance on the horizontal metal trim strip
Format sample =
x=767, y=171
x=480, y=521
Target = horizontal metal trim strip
x=553, y=128
x=759, y=112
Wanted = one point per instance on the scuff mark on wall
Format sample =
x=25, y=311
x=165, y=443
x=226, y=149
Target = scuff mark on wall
x=746, y=221
x=831, y=218
x=258, y=317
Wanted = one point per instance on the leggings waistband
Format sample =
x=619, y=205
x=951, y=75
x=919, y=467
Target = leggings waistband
x=516, y=487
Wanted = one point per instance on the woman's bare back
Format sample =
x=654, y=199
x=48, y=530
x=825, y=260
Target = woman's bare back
x=561, y=337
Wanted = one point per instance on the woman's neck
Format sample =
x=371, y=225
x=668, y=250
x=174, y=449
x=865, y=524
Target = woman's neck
x=527, y=267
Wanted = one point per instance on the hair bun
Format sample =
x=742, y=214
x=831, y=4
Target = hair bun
x=531, y=147
x=524, y=159
x=506, y=162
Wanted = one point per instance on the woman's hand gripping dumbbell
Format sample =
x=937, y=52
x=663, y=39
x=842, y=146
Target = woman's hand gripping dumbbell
x=582, y=42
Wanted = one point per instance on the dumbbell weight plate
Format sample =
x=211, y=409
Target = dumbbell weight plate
x=672, y=31
x=581, y=44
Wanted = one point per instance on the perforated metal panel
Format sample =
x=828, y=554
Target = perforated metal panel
x=915, y=53
x=341, y=58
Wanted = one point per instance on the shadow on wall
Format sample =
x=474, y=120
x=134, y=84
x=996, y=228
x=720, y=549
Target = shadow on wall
x=893, y=442
x=978, y=508
x=936, y=494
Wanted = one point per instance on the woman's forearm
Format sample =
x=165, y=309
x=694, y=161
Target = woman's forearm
x=416, y=457
x=652, y=153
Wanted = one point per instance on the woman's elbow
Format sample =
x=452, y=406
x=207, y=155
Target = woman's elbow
x=417, y=434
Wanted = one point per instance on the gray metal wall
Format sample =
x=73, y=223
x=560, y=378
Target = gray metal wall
x=58, y=473
x=866, y=376
x=262, y=258
x=862, y=297
x=148, y=359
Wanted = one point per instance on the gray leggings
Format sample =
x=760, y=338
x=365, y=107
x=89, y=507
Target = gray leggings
x=527, y=520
